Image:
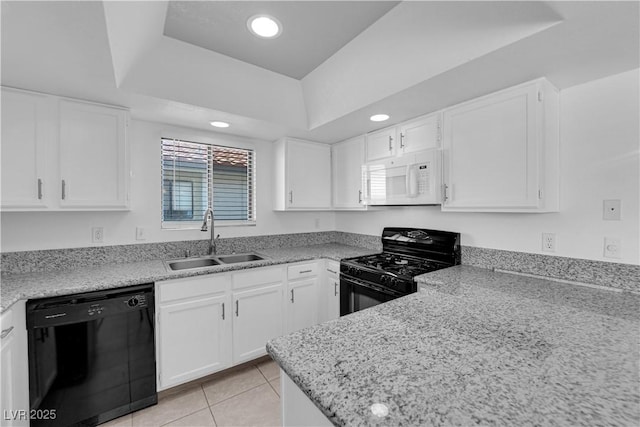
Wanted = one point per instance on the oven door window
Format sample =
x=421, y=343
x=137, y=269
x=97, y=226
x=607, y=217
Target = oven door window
x=356, y=296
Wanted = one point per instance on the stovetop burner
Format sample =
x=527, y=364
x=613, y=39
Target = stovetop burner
x=398, y=264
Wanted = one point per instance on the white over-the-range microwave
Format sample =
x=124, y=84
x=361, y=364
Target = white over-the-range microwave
x=408, y=180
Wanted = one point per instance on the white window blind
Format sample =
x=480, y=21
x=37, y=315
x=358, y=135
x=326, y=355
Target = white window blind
x=197, y=176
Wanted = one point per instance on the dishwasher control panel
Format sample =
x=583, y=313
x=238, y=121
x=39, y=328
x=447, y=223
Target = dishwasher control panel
x=137, y=301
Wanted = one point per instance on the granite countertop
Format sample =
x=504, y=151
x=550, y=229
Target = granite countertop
x=476, y=346
x=52, y=283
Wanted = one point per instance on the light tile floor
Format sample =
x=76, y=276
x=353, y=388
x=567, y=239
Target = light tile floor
x=248, y=396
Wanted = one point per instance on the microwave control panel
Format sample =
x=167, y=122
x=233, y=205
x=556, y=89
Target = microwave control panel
x=423, y=178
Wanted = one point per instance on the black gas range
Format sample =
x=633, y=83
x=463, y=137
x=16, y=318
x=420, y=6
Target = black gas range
x=406, y=252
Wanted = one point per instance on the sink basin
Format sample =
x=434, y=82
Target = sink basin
x=192, y=263
x=231, y=259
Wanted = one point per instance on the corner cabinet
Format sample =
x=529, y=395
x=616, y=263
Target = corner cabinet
x=347, y=158
x=501, y=151
x=62, y=154
x=302, y=178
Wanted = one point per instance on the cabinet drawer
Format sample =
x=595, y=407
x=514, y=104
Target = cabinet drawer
x=333, y=268
x=177, y=289
x=257, y=276
x=299, y=271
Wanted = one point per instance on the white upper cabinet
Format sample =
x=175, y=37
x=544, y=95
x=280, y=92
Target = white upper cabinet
x=347, y=158
x=302, y=175
x=25, y=179
x=501, y=151
x=93, y=155
x=419, y=134
x=381, y=144
x=62, y=154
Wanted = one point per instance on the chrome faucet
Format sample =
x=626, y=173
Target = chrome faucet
x=213, y=249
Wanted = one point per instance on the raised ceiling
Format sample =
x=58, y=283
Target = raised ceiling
x=416, y=58
x=312, y=30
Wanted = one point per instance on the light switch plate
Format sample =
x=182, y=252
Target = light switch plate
x=611, y=210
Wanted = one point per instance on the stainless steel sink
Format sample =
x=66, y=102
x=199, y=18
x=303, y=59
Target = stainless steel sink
x=192, y=263
x=232, y=259
x=209, y=261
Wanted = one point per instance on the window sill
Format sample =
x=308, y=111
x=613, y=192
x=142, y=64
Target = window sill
x=178, y=226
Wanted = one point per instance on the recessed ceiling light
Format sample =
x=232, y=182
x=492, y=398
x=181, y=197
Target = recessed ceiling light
x=264, y=26
x=219, y=124
x=379, y=117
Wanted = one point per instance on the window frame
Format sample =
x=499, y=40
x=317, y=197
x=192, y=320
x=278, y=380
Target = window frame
x=197, y=224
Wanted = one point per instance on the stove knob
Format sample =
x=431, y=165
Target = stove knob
x=385, y=280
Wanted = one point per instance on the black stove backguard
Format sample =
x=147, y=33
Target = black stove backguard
x=435, y=245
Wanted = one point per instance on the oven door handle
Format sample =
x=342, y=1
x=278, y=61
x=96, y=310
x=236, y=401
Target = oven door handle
x=370, y=285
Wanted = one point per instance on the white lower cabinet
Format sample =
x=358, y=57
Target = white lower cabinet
x=211, y=322
x=257, y=319
x=332, y=291
x=302, y=295
x=194, y=328
x=303, y=304
x=14, y=372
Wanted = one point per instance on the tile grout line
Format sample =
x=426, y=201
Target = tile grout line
x=235, y=395
x=269, y=381
x=197, y=410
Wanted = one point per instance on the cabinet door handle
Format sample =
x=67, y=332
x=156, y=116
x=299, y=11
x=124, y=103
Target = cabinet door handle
x=306, y=271
x=222, y=311
x=359, y=196
x=401, y=140
x=291, y=295
x=291, y=196
x=390, y=143
x=237, y=307
x=335, y=289
x=6, y=332
x=331, y=271
x=64, y=189
x=39, y=189
x=444, y=193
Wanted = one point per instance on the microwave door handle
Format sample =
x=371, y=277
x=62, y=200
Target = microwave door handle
x=412, y=181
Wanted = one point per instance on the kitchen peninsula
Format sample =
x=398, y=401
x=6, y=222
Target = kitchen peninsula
x=475, y=346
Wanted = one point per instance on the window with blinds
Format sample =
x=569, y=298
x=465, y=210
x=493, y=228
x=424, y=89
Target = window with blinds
x=197, y=176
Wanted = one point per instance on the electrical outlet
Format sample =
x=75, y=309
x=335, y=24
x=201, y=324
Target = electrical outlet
x=548, y=242
x=141, y=233
x=611, y=210
x=612, y=247
x=97, y=234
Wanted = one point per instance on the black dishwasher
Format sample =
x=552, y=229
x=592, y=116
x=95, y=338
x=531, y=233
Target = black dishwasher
x=91, y=356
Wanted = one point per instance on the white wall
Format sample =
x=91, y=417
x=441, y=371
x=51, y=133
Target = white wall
x=600, y=143
x=53, y=230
